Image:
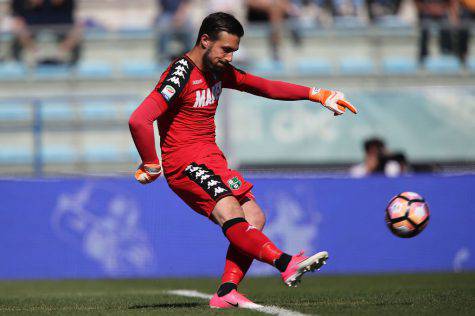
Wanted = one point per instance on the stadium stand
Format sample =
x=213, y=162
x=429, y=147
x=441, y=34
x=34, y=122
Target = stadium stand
x=118, y=67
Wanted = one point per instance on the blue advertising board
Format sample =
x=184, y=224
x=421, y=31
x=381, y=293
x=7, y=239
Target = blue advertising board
x=115, y=227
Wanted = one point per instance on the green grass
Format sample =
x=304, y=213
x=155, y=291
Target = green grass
x=421, y=294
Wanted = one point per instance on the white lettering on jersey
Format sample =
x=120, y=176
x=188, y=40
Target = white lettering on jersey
x=208, y=96
x=200, y=99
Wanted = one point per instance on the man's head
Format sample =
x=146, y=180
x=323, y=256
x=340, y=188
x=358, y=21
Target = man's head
x=374, y=146
x=219, y=37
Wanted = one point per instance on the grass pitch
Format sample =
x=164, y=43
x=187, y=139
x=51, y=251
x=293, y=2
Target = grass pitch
x=421, y=294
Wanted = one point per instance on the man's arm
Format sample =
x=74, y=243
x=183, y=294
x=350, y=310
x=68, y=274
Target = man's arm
x=280, y=90
x=141, y=128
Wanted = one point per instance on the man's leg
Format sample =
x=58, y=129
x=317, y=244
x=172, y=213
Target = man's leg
x=245, y=237
x=251, y=241
x=237, y=263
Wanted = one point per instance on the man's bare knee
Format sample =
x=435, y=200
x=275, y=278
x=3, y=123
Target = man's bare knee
x=226, y=209
x=254, y=214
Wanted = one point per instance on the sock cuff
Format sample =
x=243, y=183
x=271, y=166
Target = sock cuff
x=228, y=224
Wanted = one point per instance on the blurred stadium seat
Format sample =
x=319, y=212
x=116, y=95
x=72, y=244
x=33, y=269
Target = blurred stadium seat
x=357, y=66
x=399, y=65
x=141, y=69
x=57, y=111
x=15, y=111
x=64, y=154
x=13, y=155
x=443, y=64
x=99, y=110
x=104, y=153
x=314, y=66
x=95, y=69
x=268, y=67
x=12, y=70
x=52, y=72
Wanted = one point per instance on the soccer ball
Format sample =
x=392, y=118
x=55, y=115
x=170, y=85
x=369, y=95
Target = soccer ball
x=407, y=214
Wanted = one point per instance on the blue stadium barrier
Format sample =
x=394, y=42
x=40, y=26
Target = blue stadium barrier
x=115, y=227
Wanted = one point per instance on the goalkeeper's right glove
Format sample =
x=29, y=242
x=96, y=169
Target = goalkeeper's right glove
x=148, y=172
x=333, y=100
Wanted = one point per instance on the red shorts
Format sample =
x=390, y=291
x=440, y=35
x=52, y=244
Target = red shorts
x=202, y=183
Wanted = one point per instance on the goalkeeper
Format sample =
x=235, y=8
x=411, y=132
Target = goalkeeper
x=184, y=104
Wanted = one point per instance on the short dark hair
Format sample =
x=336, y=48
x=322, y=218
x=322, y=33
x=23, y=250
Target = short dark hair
x=218, y=22
x=373, y=142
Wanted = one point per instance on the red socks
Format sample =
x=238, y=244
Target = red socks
x=250, y=240
x=237, y=264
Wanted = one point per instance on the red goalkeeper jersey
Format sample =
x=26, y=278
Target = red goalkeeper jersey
x=184, y=103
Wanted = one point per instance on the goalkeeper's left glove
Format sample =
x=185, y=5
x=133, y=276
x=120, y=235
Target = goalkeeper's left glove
x=148, y=172
x=332, y=100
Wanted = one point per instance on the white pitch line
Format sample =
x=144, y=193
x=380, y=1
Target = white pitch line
x=272, y=310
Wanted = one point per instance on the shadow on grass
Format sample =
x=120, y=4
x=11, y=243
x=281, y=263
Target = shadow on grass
x=166, y=305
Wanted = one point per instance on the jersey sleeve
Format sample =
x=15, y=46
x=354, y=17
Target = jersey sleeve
x=272, y=89
x=174, y=80
x=141, y=125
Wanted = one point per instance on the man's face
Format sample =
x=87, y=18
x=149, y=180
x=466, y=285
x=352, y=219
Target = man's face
x=219, y=53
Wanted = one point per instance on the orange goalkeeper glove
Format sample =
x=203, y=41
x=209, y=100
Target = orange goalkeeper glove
x=332, y=100
x=148, y=172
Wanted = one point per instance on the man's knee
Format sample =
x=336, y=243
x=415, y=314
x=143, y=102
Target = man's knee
x=226, y=209
x=258, y=221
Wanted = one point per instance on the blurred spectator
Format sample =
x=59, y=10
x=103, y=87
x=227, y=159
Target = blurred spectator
x=346, y=8
x=274, y=12
x=380, y=8
x=466, y=18
x=378, y=160
x=175, y=29
x=32, y=18
x=374, y=148
x=438, y=14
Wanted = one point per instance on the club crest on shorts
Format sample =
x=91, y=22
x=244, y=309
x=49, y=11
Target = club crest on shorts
x=234, y=183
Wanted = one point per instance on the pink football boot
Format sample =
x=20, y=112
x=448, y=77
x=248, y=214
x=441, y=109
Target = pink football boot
x=300, y=264
x=233, y=299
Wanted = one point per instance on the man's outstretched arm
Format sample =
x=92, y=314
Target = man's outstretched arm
x=141, y=128
x=280, y=90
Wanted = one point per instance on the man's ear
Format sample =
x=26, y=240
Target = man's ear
x=205, y=41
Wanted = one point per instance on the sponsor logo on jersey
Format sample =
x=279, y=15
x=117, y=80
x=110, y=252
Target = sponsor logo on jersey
x=197, y=81
x=168, y=92
x=234, y=183
x=208, y=96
